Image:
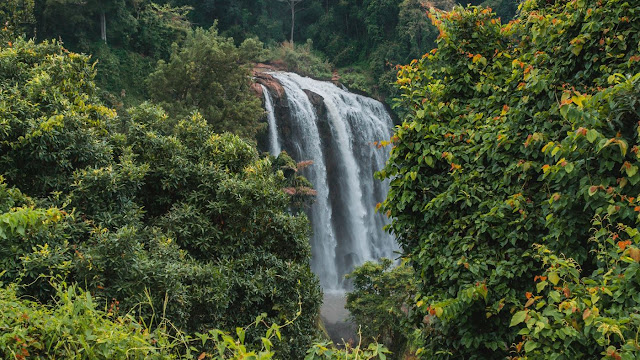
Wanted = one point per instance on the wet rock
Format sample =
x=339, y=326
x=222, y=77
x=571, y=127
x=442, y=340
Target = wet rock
x=261, y=77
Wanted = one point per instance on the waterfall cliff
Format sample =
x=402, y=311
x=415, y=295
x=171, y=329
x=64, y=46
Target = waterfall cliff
x=338, y=131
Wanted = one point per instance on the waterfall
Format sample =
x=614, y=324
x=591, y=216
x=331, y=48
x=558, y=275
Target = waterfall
x=340, y=140
x=274, y=143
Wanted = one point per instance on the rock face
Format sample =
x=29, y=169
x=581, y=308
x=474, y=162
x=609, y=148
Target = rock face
x=278, y=97
x=261, y=77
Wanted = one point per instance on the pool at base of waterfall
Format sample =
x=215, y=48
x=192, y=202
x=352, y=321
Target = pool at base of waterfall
x=336, y=319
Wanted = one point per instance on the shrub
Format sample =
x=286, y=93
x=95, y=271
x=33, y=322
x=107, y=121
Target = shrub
x=326, y=351
x=74, y=328
x=380, y=303
x=302, y=59
x=515, y=135
x=572, y=314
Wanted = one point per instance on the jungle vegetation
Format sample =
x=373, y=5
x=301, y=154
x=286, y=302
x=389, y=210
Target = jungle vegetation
x=138, y=220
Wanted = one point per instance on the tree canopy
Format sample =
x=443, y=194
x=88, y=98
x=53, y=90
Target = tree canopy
x=211, y=75
x=144, y=208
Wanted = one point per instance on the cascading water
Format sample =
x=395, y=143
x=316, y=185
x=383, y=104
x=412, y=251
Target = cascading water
x=341, y=143
x=274, y=142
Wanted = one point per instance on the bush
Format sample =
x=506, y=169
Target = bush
x=121, y=75
x=572, y=314
x=160, y=26
x=326, y=351
x=381, y=301
x=73, y=329
x=76, y=328
x=15, y=17
x=301, y=59
x=515, y=135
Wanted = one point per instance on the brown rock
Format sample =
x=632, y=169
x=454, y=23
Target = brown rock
x=272, y=84
x=257, y=89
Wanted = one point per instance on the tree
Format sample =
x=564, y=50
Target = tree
x=15, y=17
x=380, y=303
x=153, y=211
x=211, y=75
x=159, y=26
x=292, y=6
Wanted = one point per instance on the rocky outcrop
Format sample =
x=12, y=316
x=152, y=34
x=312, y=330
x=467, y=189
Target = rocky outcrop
x=276, y=90
x=317, y=101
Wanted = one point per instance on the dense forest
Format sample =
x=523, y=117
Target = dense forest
x=362, y=38
x=139, y=221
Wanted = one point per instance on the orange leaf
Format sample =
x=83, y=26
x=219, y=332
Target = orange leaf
x=530, y=302
x=202, y=356
x=528, y=295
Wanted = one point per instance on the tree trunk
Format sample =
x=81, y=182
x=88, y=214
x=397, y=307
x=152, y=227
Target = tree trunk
x=103, y=27
x=293, y=18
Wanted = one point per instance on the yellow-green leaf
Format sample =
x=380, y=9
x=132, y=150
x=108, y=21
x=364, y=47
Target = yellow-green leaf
x=518, y=318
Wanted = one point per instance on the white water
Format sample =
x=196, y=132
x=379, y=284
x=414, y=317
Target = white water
x=323, y=245
x=274, y=142
x=346, y=230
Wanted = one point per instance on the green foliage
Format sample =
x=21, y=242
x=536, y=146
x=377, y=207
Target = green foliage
x=121, y=75
x=159, y=213
x=211, y=75
x=380, y=303
x=159, y=27
x=574, y=315
x=78, y=23
x=50, y=123
x=299, y=189
x=515, y=135
x=326, y=351
x=356, y=79
x=301, y=59
x=138, y=34
x=15, y=18
x=74, y=329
